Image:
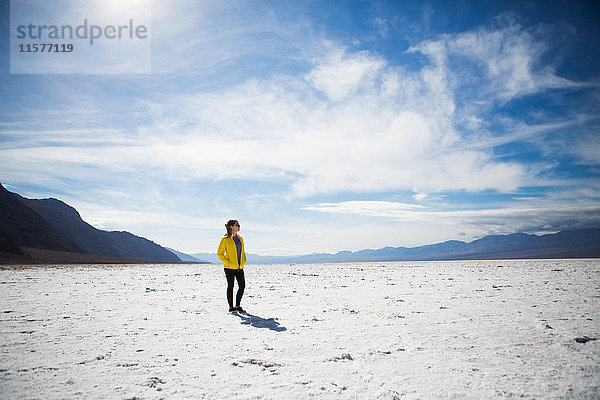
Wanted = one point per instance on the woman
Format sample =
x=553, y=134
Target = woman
x=231, y=252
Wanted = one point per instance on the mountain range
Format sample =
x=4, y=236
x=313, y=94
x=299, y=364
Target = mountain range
x=581, y=243
x=51, y=231
x=48, y=230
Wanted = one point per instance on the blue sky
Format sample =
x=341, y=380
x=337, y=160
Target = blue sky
x=323, y=126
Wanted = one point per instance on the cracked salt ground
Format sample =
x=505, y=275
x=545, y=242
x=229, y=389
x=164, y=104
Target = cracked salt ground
x=469, y=329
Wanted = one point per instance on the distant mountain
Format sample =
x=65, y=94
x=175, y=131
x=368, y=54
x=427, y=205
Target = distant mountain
x=567, y=244
x=209, y=257
x=252, y=258
x=582, y=243
x=186, y=257
x=51, y=224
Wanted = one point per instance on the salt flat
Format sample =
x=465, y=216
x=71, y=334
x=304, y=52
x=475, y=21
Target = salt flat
x=470, y=329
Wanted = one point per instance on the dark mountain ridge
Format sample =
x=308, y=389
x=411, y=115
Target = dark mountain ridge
x=20, y=226
x=53, y=225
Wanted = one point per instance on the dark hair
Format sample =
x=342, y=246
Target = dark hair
x=229, y=226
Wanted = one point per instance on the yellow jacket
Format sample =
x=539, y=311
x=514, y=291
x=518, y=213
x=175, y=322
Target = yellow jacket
x=227, y=253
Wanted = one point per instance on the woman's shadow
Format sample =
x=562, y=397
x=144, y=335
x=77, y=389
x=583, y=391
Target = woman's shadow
x=259, y=322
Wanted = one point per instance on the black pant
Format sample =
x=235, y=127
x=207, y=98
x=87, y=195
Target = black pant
x=239, y=275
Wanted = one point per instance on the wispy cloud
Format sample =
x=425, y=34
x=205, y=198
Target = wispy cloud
x=343, y=74
x=531, y=215
x=502, y=61
x=216, y=40
x=371, y=208
x=353, y=123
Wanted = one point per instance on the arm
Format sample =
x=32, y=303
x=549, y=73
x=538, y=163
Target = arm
x=221, y=251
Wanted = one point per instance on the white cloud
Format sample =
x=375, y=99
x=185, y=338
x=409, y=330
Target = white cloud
x=420, y=197
x=352, y=123
x=501, y=62
x=370, y=208
x=343, y=74
x=379, y=128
